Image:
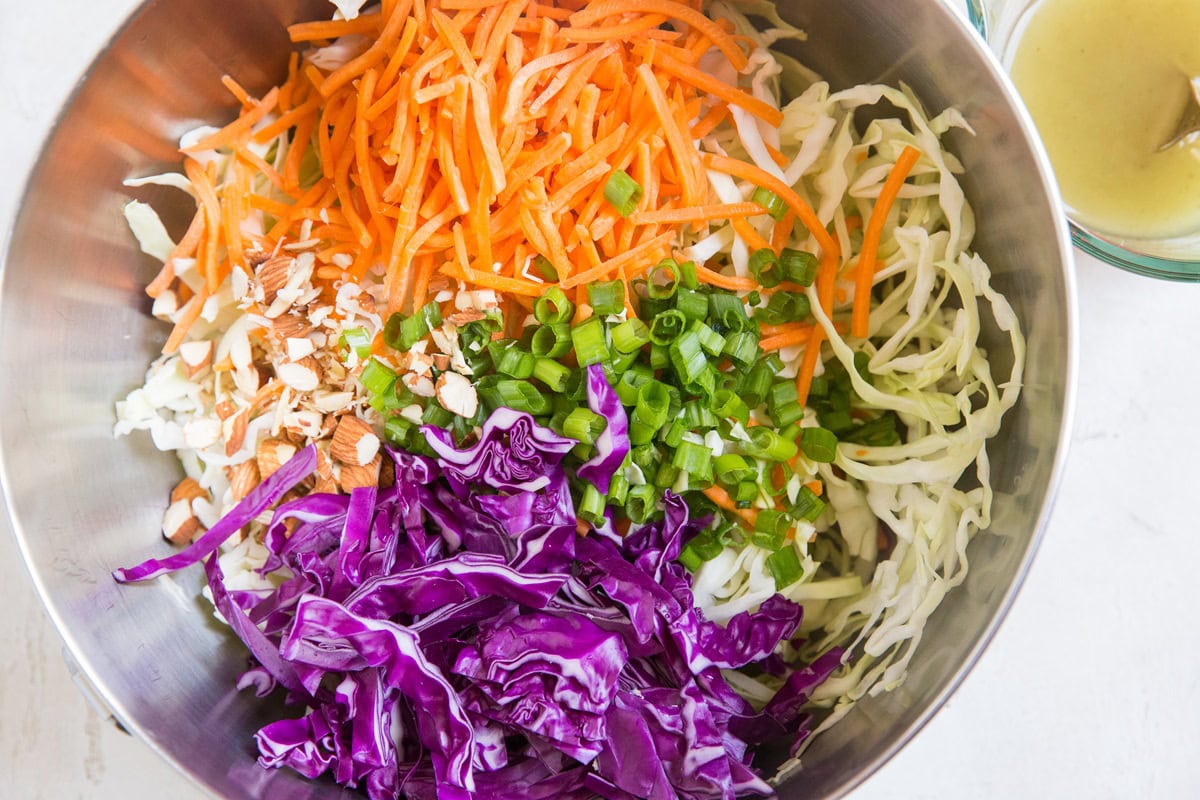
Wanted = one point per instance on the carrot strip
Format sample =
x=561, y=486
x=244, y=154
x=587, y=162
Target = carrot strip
x=710, y=213
x=332, y=29
x=235, y=89
x=723, y=500
x=750, y=236
x=235, y=131
x=614, y=33
x=639, y=253
x=184, y=249
x=718, y=88
x=597, y=11
x=867, y=258
x=731, y=282
x=752, y=173
x=786, y=339
x=187, y=317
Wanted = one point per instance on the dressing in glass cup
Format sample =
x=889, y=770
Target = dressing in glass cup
x=1107, y=82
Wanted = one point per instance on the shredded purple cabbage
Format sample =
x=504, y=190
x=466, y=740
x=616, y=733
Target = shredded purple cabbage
x=613, y=444
x=452, y=637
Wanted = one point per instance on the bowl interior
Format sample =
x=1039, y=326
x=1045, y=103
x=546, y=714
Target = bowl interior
x=75, y=335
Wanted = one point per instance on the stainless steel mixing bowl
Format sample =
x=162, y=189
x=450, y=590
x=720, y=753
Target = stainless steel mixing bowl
x=75, y=335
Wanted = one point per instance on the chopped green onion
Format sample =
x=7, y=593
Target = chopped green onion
x=630, y=381
x=726, y=312
x=666, y=326
x=756, y=385
x=674, y=435
x=553, y=374
x=588, y=338
x=666, y=476
x=660, y=357
x=552, y=340
x=784, y=307
x=687, y=357
x=703, y=547
x=745, y=493
x=787, y=413
x=692, y=304
x=553, y=306
x=545, y=268
x=649, y=412
x=437, y=416
x=798, y=266
x=808, y=505
x=663, y=280
x=712, y=342
x=514, y=362
x=619, y=362
x=879, y=432
x=630, y=336
x=742, y=348
x=772, y=202
x=584, y=426
x=732, y=469
x=770, y=529
x=396, y=430
x=818, y=387
x=767, y=443
x=694, y=459
x=819, y=444
x=837, y=422
x=517, y=395
x=646, y=458
x=618, y=489
x=697, y=416
x=784, y=566
x=687, y=276
x=356, y=339
x=728, y=405
x=376, y=377
x=641, y=503
x=591, y=506
x=764, y=266
x=606, y=297
x=622, y=192
x=862, y=363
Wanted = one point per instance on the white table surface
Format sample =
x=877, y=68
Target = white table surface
x=1091, y=689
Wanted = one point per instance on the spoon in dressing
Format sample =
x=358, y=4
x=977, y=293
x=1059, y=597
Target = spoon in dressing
x=1189, y=118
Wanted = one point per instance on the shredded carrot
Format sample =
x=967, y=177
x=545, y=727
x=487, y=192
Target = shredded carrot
x=332, y=29
x=186, y=318
x=861, y=310
x=184, y=249
x=713, y=213
x=730, y=94
x=723, y=500
x=731, y=282
x=239, y=129
x=787, y=339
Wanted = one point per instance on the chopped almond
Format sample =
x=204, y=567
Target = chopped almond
x=272, y=454
x=196, y=355
x=354, y=441
x=290, y=326
x=273, y=275
x=187, y=489
x=180, y=523
x=242, y=479
x=303, y=375
x=457, y=395
x=466, y=317
x=233, y=428
x=354, y=476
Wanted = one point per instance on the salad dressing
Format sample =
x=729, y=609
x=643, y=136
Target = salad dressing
x=1106, y=82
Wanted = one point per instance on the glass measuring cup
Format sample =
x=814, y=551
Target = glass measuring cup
x=1175, y=256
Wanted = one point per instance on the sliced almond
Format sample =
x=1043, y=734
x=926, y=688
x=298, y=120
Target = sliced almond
x=419, y=385
x=304, y=424
x=303, y=375
x=233, y=428
x=290, y=326
x=441, y=362
x=166, y=304
x=354, y=441
x=180, y=523
x=273, y=275
x=196, y=355
x=332, y=402
x=461, y=318
x=457, y=395
x=201, y=433
x=225, y=409
x=437, y=283
x=326, y=483
x=272, y=454
x=187, y=489
x=255, y=258
x=299, y=347
x=415, y=361
x=354, y=476
x=242, y=479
